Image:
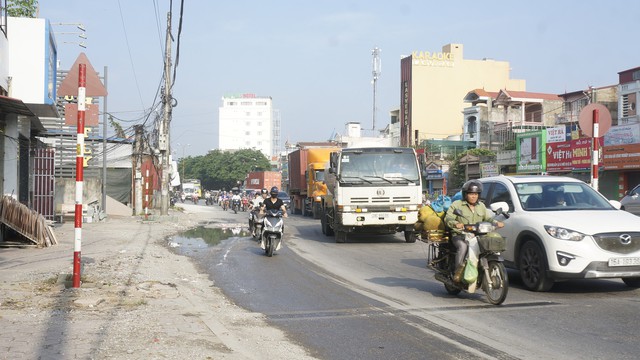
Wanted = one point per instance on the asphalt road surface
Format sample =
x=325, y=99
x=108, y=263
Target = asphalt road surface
x=374, y=298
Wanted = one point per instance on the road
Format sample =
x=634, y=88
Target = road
x=374, y=298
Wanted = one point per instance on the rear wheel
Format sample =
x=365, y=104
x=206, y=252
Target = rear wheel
x=533, y=267
x=497, y=285
x=452, y=290
x=633, y=282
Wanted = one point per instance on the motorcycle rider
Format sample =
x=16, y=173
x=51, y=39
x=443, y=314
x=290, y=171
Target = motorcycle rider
x=254, y=207
x=273, y=203
x=234, y=198
x=473, y=211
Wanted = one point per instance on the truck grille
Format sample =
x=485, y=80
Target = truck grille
x=380, y=200
x=621, y=243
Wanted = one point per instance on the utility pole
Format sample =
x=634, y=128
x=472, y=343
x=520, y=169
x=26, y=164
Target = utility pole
x=163, y=138
x=377, y=70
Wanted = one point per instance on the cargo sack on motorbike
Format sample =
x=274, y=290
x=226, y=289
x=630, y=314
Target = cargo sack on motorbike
x=430, y=219
x=492, y=242
x=470, y=273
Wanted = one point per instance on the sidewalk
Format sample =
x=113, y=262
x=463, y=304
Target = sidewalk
x=138, y=300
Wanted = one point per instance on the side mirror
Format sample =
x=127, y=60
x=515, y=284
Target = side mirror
x=500, y=208
x=332, y=170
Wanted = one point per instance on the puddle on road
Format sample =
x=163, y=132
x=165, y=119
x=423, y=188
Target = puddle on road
x=201, y=237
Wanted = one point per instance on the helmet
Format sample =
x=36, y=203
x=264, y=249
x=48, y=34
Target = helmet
x=265, y=191
x=471, y=186
x=274, y=191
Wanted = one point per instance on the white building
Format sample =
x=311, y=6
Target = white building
x=248, y=121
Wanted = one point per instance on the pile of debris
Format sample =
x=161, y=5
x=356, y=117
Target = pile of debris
x=28, y=223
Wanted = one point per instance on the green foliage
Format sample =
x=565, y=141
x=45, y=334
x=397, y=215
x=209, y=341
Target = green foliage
x=457, y=170
x=509, y=145
x=118, y=128
x=22, y=8
x=222, y=170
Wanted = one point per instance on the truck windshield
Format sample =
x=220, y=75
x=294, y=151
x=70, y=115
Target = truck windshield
x=380, y=167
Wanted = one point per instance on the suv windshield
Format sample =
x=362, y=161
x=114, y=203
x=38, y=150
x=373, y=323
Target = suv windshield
x=547, y=196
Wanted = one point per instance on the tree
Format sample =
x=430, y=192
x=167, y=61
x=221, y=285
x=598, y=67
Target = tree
x=22, y=8
x=222, y=170
x=457, y=170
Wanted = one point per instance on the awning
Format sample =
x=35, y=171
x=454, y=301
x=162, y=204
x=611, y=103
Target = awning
x=14, y=106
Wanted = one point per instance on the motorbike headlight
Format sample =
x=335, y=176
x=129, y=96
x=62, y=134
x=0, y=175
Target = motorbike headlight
x=485, y=227
x=564, y=234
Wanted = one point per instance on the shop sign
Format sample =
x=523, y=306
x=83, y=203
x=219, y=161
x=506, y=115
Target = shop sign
x=623, y=135
x=581, y=153
x=622, y=157
x=559, y=157
x=489, y=169
x=530, y=152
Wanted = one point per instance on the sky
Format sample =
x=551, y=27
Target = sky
x=313, y=57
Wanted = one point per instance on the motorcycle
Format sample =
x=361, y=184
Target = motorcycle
x=272, y=230
x=255, y=223
x=183, y=196
x=235, y=205
x=208, y=200
x=485, y=246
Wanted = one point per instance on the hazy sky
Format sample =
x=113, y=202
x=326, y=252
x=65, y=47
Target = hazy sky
x=314, y=57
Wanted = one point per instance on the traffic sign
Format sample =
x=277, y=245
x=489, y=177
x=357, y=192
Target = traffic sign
x=69, y=86
x=585, y=119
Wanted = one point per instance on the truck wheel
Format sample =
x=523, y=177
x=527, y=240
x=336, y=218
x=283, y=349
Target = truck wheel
x=410, y=236
x=326, y=229
x=317, y=211
x=341, y=236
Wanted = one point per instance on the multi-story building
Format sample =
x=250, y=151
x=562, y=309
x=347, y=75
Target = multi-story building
x=248, y=121
x=494, y=118
x=434, y=84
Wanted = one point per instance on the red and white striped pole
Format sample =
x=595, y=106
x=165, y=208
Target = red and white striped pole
x=82, y=91
x=595, y=153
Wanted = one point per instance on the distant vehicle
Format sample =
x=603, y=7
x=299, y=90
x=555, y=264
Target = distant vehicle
x=631, y=201
x=560, y=228
x=306, y=178
x=285, y=198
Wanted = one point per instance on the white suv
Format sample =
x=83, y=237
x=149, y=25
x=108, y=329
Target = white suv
x=560, y=228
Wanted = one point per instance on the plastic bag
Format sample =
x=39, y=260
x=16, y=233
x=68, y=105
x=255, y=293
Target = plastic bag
x=470, y=273
x=441, y=204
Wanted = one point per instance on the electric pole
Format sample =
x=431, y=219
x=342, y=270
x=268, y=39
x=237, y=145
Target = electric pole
x=163, y=137
x=377, y=70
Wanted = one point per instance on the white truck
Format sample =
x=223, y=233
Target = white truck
x=372, y=190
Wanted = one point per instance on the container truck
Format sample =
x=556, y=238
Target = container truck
x=306, y=179
x=372, y=190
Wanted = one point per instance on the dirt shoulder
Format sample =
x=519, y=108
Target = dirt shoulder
x=138, y=300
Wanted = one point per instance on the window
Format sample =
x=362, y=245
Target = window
x=259, y=123
x=259, y=113
x=471, y=126
x=246, y=103
x=628, y=105
x=259, y=133
x=247, y=133
x=501, y=193
x=248, y=113
x=261, y=103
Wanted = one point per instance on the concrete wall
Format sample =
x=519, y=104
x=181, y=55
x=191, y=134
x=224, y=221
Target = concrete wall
x=439, y=87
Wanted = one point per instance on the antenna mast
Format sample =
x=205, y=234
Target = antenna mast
x=377, y=70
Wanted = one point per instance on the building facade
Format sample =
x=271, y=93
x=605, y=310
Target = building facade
x=433, y=87
x=248, y=121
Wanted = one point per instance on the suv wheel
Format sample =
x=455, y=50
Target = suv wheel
x=533, y=267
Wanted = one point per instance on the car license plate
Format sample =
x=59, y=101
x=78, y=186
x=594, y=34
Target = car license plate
x=628, y=261
x=381, y=216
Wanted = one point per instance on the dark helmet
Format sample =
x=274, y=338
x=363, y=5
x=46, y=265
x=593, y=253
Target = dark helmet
x=471, y=186
x=274, y=191
x=265, y=191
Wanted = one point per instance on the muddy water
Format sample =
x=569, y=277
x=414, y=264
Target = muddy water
x=202, y=237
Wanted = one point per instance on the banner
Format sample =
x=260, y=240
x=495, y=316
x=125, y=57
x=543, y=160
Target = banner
x=622, y=157
x=530, y=155
x=559, y=157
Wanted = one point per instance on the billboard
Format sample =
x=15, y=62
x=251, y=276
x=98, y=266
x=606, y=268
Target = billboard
x=529, y=152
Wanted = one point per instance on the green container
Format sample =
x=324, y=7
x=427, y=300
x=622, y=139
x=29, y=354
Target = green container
x=492, y=242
